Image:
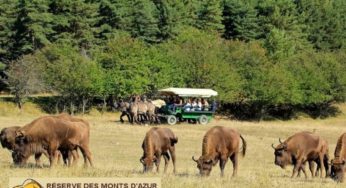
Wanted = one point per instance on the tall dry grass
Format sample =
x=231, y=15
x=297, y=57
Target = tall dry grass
x=10, y=109
x=116, y=151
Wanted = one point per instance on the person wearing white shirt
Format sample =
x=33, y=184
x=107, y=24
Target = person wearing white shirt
x=187, y=106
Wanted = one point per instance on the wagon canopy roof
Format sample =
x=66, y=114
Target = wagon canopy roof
x=188, y=92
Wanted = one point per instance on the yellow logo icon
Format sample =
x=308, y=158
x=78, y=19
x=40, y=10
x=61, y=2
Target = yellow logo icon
x=29, y=183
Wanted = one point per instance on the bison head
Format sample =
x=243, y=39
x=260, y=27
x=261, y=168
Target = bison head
x=148, y=163
x=7, y=138
x=282, y=156
x=20, y=155
x=338, y=168
x=204, y=164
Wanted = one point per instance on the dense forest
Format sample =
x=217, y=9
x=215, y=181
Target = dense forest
x=264, y=57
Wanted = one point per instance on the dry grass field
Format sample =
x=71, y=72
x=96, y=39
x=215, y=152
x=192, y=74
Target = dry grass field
x=116, y=151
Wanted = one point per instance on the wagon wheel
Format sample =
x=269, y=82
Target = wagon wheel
x=203, y=119
x=171, y=120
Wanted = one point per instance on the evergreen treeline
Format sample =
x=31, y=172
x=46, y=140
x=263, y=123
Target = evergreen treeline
x=262, y=56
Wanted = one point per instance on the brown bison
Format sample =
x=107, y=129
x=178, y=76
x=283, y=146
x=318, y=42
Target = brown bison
x=338, y=164
x=219, y=144
x=8, y=139
x=52, y=133
x=157, y=142
x=300, y=148
x=8, y=136
x=317, y=161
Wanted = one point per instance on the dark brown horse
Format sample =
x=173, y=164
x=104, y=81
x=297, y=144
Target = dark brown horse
x=124, y=107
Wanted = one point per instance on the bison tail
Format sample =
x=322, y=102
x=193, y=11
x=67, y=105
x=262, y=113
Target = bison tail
x=174, y=141
x=244, y=146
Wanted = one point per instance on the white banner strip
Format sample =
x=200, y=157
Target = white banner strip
x=85, y=183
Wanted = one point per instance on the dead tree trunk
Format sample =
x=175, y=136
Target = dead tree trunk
x=84, y=102
x=71, y=107
x=104, y=106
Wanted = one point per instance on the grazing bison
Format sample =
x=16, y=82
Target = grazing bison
x=157, y=142
x=312, y=162
x=338, y=164
x=18, y=156
x=50, y=134
x=300, y=148
x=7, y=137
x=219, y=144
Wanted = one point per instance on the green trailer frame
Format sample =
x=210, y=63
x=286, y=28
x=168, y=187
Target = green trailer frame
x=176, y=113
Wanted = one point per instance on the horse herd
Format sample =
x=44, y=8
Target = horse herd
x=57, y=136
x=140, y=110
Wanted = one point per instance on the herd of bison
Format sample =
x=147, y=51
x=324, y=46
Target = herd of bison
x=60, y=136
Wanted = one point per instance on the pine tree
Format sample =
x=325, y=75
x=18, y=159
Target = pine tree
x=279, y=20
x=325, y=21
x=111, y=17
x=189, y=12
x=240, y=20
x=7, y=19
x=143, y=24
x=281, y=14
x=209, y=15
x=169, y=14
x=74, y=22
x=32, y=27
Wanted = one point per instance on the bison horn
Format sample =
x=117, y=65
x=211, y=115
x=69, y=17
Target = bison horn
x=193, y=158
x=141, y=160
x=19, y=133
x=280, y=141
x=273, y=146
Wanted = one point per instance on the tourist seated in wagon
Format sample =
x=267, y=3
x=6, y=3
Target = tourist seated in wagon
x=199, y=105
x=175, y=102
x=187, y=106
x=194, y=105
x=205, y=104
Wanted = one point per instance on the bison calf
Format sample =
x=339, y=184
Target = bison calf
x=338, y=164
x=157, y=142
x=219, y=144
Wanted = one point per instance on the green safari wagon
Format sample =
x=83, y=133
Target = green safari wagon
x=176, y=110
